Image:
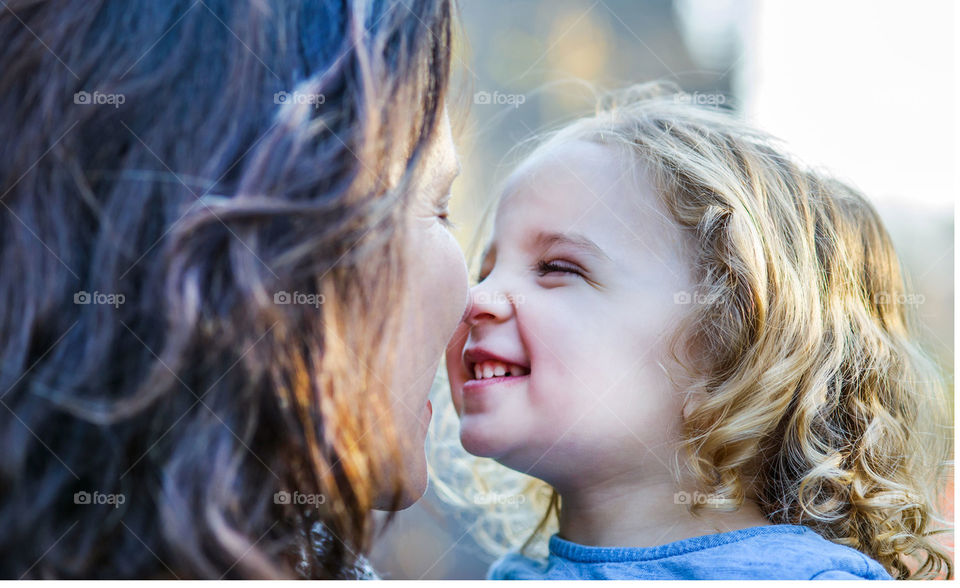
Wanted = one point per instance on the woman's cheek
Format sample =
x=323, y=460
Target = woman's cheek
x=455, y=369
x=437, y=288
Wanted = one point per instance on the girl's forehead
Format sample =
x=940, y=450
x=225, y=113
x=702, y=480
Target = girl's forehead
x=586, y=188
x=558, y=175
x=568, y=157
x=577, y=182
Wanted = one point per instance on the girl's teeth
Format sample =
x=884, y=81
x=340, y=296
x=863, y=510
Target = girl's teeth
x=496, y=369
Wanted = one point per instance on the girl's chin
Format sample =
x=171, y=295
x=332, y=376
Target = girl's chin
x=501, y=445
x=481, y=441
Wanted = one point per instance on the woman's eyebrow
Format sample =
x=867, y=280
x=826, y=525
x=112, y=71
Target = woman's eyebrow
x=547, y=239
x=446, y=181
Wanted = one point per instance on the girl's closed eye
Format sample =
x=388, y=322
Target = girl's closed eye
x=558, y=266
x=557, y=272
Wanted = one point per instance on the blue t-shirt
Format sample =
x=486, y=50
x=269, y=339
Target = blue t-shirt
x=770, y=552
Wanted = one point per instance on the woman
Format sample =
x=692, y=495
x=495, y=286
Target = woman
x=221, y=232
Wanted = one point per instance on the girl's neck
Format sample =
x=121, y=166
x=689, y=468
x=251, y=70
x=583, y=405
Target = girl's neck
x=642, y=514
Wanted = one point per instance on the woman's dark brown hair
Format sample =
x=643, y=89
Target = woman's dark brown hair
x=201, y=208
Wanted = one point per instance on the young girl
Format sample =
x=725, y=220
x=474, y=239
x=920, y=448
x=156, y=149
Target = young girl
x=708, y=351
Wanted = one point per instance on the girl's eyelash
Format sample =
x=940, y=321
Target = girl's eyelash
x=545, y=267
x=565, y=267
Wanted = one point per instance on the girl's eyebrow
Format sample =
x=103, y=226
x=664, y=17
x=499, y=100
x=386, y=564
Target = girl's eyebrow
x=546, y=239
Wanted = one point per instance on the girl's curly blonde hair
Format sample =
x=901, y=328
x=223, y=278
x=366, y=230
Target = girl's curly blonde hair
x=809, y=392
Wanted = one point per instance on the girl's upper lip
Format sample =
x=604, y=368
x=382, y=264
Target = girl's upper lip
x=475, y=355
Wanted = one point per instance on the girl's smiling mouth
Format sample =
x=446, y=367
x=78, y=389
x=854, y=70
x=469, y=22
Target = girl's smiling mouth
x=484, y=368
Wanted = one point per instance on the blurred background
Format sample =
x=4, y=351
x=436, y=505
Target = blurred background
x=863, y=88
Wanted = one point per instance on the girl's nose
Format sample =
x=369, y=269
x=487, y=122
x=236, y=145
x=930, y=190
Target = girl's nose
x=488, y=304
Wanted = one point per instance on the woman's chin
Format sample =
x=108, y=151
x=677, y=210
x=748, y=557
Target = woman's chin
x=412, y=496
x=415, y=486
